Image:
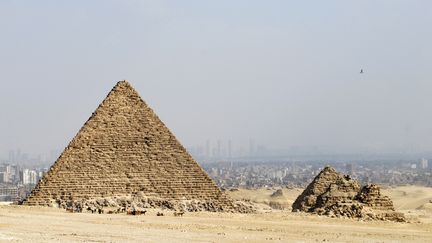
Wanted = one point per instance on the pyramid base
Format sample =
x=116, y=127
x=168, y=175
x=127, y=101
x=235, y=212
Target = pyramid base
x=140, y=202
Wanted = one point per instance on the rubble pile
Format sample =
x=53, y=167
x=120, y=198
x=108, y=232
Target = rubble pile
x=277, y=193
x=139, y=203
x=337, y=195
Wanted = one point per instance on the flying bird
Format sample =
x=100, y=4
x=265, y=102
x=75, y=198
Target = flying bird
x=361, y=70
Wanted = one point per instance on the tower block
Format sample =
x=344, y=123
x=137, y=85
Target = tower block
x=124, y=149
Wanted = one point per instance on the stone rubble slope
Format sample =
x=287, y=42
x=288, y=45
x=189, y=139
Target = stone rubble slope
x=140, y=203
x=337, y=195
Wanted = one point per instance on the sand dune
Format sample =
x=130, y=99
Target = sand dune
x=409, y=197
x=263, y=196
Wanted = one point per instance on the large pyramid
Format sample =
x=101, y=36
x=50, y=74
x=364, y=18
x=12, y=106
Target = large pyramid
x=125, y=149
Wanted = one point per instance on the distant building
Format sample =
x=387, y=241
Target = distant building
x=229, y=149
x=2, y=168
x=424, y=163
x=207, y=149
x=251, y=147
x=29, y=177
x=350, y=168
x=4, y=177
x=33, y=177
x=8, y=193
x=219, y=149
x=10, y=173
x=25, y=177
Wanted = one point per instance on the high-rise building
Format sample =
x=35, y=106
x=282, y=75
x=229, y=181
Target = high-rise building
x=25, y=177
x=6, y=174
x=251, y=147
x=424, y=163
x=219, y=148
x=8, y=193
x=29, y=177
x=14, y=173
x=229, y=149
x=207, y=149
x=15, y=156
x=5, y=168
x=33, y=178
x=3, y=177
x=350, y=168
x=11, y=156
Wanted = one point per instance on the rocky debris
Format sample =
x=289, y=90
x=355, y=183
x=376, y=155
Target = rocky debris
x=138, y=203
x=337, y=195
x=244, y=207
x=371, y=196
x=279, y=204
x=179, y=214
x=277, y=193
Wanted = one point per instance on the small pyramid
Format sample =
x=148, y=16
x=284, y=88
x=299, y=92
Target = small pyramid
x=334, y=194
x=125, y=149
x=307, y=200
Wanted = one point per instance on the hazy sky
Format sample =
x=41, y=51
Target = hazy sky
x=282, y=72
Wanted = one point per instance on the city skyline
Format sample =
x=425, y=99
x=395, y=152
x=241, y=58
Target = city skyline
x=229, y=150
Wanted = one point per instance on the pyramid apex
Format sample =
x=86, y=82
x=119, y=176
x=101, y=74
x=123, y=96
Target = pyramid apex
x=328, y=168
x=122, y=82
x=123, y=85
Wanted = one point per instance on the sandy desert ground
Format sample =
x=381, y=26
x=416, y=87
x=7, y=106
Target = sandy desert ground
x=36, y=224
